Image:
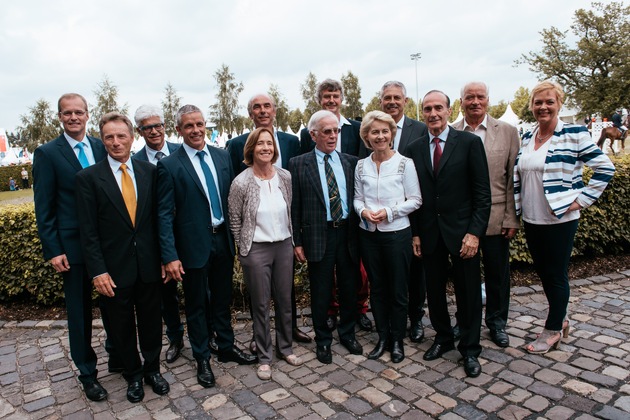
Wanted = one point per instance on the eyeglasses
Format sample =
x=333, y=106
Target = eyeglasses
x=149, y=128
x=328, y=131
x=69, y=113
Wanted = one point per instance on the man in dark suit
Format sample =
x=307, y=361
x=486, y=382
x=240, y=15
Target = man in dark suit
x=262, y=111
x=453, y=172
x=393, y=98
x=325, y=230
x=150, y=125
x=54, y=167
x=330, y=97
x=501, y=143
x=196, y=244
x=117, y=216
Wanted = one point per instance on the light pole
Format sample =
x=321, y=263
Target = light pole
x=415, y=57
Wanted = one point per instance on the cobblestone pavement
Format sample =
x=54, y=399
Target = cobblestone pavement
x=586, y=378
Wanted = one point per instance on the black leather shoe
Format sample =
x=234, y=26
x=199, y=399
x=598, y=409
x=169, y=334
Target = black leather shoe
x=205, y=377
x=378, y=351
x=398, y=352
x=174, y=351
x=500, y=338
x=212, y=345
x=158, y=383
x=94, y=391
x=416, y=332
x=456, y=332
x=300, y=337
x=352, y=345
x=135, y=391
x=237, y=355
x=331, y=322
x=324, y=355
x=364, y=323
x=472, y=366
x=437, y=350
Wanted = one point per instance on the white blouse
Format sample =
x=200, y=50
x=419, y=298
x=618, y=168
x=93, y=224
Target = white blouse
x=272, y=220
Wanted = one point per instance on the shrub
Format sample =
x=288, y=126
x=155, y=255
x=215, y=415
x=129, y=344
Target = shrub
x=14, y=171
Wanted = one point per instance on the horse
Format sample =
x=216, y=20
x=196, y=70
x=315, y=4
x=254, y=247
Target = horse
x=612, y=133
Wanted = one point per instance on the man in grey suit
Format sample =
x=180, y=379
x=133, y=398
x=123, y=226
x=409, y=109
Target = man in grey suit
x=501, y=143
x=393, y=98
x=150, y=125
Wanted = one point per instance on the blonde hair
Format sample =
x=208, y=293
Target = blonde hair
x=369, y=119
x=547, y=85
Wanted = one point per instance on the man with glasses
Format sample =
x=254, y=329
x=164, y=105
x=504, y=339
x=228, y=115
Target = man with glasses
x=55, y=165
x=150, y=125
x=325, y=231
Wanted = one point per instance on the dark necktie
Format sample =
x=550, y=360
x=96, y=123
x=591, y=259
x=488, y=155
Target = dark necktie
x=333, y=191
x=159, y=155
x=437, y=155
x=83, y=160
x=215, y=204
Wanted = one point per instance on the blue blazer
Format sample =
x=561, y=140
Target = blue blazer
x=184, y=217
x=351, y=142
x=289, y=147
x=142, y=153
x=54, y=168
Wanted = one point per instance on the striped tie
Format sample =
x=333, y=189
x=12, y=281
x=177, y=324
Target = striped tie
x=333, y=191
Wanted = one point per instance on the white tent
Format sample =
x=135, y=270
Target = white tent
x=459, y=117
x=509, y=116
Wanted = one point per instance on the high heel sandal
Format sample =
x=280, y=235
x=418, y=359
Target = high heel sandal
x=542, y=344
x=566, y=326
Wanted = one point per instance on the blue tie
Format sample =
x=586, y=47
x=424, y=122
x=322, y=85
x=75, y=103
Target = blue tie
x=83, y=160
x=215, y=204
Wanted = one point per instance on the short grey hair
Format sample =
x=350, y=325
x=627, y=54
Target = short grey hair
x=313, y=123
x=147, y=111
x=186, y=109
x=392, y=83
x=469, y=84
x=266, y=95
x=329, y=85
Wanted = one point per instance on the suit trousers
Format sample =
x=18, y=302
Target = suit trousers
x=208, y=296
x=139, y=303
x=387, y=259
x=467, y=284
x=417, y=290
x=170, y=312
x=336, y=260
x=77, y=289
x=268, y=272
x=495, y=252
x=551, y=246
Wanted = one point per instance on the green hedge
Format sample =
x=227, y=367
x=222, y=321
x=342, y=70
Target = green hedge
x=604, y=230
x=14, y=171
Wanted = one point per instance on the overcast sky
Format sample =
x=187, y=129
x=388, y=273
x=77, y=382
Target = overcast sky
x=48, y=48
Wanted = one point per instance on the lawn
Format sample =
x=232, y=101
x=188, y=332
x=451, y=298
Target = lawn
x=16, y=197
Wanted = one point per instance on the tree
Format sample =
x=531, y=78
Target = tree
x=170, y=106
x=282, y=109
x=411, y=110
x=520, y=105
x=456, y=106
x=352, y=106
x=595, y=72
x=309, y=94
x=497, y=111
x=374, y=104
x=225, y=111
x=106, y=101
x=38, y=126
x=296, y=119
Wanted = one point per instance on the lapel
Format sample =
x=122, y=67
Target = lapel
x=312, y=173
x=112, y=191
x=66, y=151
x=98, y=150
x=490, y=141
x=187, y=164
x=347, y=172
x=284, y=153
x=143, y=183
x=345, y=134
x=451, y=144
x=405, y=134
x=222, y=173
x=425, y=151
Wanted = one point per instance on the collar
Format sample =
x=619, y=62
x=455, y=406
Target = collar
x=74, y=142
x=115, y=165
x=320, y=155
x=483, y=124
x=442, y=136
x=193, y=152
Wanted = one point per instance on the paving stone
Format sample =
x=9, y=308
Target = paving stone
x=580, y=387
x=578, y=403
x=490, y=403
x=374, y=396
x=335, y=395
x=357, y=406
x=586, y=363
x=429, y=407
x=599, y=379
x=559, y=413
x=322, y=409
x=513, y=412
x=469, y=412
x=611, y=413
x=38, y=404
x=395, y=408
x=623, y=403
x=536, y=404
x=515, y=378
x=616, y=372
x=546, y=390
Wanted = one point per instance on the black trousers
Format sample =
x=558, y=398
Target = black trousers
x=139, y=303
x=495, y=251
x=387, y=258
x=467, y=284
x=417, y=290
x=337, y=260
x=170, y=312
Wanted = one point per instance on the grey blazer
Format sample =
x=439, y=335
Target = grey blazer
x=243, y=203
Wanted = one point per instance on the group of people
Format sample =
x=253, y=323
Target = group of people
x=389, y=202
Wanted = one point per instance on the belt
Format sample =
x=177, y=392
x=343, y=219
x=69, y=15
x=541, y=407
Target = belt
x=218, y=228
x=338, y=224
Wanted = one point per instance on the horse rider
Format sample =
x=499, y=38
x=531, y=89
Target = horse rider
x=617, y=122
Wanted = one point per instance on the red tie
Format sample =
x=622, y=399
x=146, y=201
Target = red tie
x=437, y=155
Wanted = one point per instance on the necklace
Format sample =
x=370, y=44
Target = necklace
x=541, y=139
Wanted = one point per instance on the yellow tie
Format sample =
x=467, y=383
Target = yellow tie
x=128, y=193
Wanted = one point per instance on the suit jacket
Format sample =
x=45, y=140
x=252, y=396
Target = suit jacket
x=54, y=168
x=289, y=147
x=351, y=142
x=458, y=200
x=111, y=242
x=411, y=130
x=184, y=217
x=308, y=208
x=142, y=153
x=501, y=144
